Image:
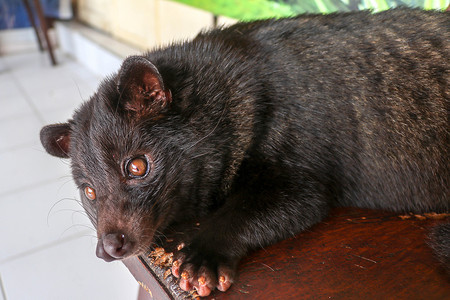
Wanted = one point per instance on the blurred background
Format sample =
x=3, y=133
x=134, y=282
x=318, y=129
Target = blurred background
x=47, y=244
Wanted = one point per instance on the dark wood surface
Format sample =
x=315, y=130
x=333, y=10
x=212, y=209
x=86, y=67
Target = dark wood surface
x=353, y=254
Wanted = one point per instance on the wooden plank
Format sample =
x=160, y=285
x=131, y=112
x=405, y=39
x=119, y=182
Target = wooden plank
x=353, y=254
x=151, y=288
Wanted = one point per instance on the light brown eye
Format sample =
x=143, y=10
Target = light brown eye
x=137, y=167
x=90, y=193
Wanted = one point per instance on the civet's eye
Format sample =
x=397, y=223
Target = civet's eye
x=137, y=167
x=90, y=193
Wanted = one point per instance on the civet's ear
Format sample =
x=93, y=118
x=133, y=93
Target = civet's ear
x=141, y=87
x=56, y=139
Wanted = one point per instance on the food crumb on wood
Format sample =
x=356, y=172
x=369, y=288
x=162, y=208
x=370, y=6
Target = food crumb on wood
x=161, y=258
x=164, y=260
x=194, y=294
x=425, y=216
x=436, y=216
x=420, y=217
x=167, y=273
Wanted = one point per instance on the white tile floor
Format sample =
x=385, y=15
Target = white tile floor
x=47, y=248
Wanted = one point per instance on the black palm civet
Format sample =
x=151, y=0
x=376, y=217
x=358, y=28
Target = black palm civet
x=256, y=130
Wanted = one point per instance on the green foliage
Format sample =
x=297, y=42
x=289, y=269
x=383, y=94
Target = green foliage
x=260, y=9
x=243, y=10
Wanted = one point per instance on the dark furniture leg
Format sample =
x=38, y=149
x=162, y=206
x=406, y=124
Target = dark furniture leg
x=43, y=27
x=33, y=23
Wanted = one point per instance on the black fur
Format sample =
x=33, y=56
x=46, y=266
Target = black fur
x=256, y=130
x=440, y=242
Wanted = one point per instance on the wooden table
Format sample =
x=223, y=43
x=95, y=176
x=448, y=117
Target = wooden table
x=353, y=254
